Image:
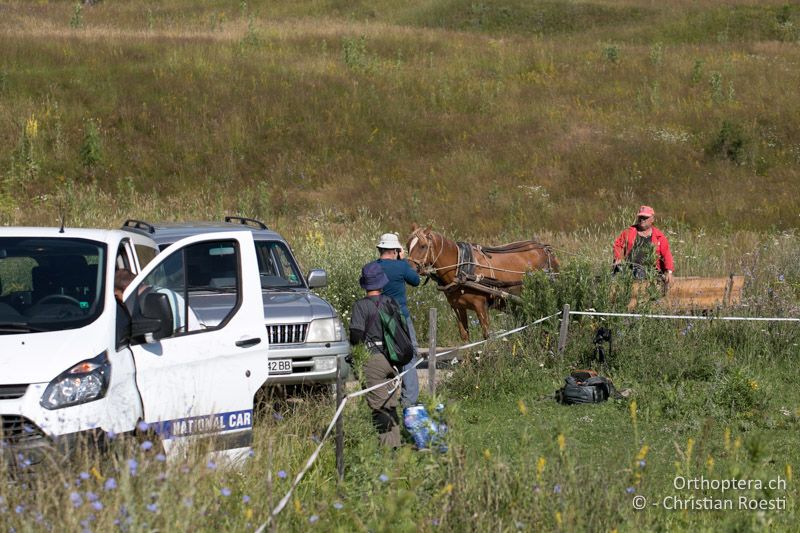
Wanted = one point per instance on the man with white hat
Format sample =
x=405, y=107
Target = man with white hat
x=400, y=273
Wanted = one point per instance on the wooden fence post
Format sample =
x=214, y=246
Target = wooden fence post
x=562, y=335
x=340, y=420
x=432, y=351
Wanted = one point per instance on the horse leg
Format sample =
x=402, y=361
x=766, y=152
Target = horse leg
x=463, y=323
x=482, y=310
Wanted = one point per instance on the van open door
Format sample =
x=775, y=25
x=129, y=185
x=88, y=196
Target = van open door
x=197, y=375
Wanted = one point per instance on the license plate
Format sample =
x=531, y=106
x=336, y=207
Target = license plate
x=280, y=366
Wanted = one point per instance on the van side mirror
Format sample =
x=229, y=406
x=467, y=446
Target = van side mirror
x=317, y=279
x=155, y=317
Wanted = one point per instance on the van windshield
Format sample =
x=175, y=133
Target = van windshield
x=49, y=284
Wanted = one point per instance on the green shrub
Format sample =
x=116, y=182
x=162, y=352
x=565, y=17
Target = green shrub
x=91, y=152
x=729, y=143
x=739, y=394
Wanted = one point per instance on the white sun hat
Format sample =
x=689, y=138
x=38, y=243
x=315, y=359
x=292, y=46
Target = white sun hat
x=389, y=241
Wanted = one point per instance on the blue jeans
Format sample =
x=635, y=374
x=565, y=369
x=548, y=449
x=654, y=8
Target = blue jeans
x=410, y=392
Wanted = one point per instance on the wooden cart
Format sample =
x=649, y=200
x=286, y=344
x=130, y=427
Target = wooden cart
x=694, y=293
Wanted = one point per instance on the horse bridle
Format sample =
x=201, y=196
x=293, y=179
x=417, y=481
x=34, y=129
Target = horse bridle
x=423, y=267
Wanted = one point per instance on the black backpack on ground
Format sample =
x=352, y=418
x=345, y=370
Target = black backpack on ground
x=585, y=386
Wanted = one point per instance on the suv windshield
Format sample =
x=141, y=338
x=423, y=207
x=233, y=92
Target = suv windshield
x=50, y=284
x=277, y=267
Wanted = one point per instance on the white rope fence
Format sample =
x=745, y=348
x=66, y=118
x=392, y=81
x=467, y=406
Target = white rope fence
x=688, y=317
x=396, y=382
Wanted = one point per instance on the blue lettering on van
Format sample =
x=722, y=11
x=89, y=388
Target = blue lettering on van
x=200, y=425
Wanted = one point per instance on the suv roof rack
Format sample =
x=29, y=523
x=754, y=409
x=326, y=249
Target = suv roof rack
x=246, y=221
x=139, y=224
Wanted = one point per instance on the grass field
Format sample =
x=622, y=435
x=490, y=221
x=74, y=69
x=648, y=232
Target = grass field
x=337, y=120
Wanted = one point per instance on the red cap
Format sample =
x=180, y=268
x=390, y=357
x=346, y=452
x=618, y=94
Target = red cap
x=646, y=211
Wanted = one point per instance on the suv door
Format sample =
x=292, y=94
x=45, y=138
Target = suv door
x=200, y=381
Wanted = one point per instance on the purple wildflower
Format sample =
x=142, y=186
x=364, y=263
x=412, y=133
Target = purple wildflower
x=152, y=507
x=143, y=426
x=84, y=475
x=338, y=505
x=133, y=464
x=282, y=474
x=91, y=496
x=76, y=499
x=630, y=490
x=19, y=509
x=225, y=491
x=98, y=505
x=245, y=499
x=110, y=484
x=642, y=463
x=146, y=445
x=211, y=465
x=313, y=518
x=557, y=489
x=277, y=416
x=161, y=457
x=384, y=478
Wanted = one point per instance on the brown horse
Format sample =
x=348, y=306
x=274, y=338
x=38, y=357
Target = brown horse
x=475, y=277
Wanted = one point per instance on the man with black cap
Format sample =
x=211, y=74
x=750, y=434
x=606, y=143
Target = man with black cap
x=366, y=327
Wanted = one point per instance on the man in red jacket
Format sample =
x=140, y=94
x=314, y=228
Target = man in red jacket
x=640, y=243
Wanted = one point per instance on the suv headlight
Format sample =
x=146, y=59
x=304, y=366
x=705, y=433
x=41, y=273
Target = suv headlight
x=325, y=330
x=85, y=382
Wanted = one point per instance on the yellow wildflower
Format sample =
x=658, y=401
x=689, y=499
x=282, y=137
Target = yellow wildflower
x=522, y=407
x=298, y=507
x=753, y=384
x=727, y=439
x=96, y=473
x=487, y=454
x=710, y=463
x=737, y=443
x=248, y=513
x=633, y=412
x=562, y=442
x=540, y=467
x=559, y=520
x=642, y=453
x=788, y=472
x=446, y=490
x=31, y=127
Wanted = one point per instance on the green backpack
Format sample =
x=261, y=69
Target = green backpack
x=397, y=345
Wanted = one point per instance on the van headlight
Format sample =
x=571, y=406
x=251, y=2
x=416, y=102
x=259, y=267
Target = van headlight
x=85, y=382
x=325, y=330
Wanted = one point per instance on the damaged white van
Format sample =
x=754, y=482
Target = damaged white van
x=75, y=361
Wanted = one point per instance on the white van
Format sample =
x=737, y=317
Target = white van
x=76, y=362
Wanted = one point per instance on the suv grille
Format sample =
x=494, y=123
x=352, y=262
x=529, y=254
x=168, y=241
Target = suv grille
x=15, y=429
x=287, y=333
x=12, y=392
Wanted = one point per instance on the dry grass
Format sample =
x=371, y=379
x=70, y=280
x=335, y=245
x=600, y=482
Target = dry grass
x=459, y=116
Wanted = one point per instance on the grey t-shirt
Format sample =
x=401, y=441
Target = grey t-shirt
x=365, y=318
